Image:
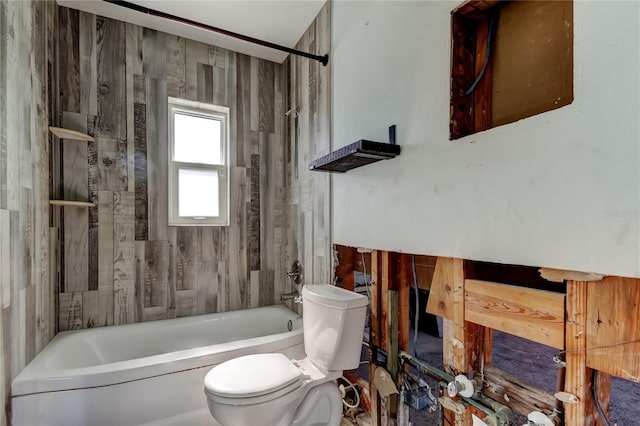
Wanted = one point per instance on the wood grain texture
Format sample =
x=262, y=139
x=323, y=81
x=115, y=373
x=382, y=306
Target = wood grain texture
x=147, y=270
x=578, y=376
x=519, y=396
x=535, y=315
x=613, y=327
x=111, y=83
x=440, y=296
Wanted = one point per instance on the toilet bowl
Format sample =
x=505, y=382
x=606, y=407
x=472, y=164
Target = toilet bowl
x=271, y=389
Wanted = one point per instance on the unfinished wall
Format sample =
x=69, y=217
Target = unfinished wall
x=27, y=68
x=308, y=196
x=560, y=189
x=133, y=267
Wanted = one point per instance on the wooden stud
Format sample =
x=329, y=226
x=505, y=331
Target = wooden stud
x=611, y=303
x=578, y=376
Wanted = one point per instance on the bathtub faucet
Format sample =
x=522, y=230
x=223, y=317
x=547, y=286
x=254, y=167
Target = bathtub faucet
x=295, y=273
x=294, y=295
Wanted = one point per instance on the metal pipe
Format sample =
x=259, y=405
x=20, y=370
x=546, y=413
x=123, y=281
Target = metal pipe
x=497, y=411
x=324, y=60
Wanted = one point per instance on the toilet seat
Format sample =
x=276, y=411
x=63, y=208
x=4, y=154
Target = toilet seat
x=234, y=382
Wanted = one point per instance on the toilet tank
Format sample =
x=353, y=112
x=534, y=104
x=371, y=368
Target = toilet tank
x=333, y=324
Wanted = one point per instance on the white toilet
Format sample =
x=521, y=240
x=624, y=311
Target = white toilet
x=271, y=389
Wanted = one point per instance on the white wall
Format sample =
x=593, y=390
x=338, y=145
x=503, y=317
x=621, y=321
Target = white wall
x=560, y=189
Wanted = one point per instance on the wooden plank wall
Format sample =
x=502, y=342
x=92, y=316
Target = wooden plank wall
x=27, y=70
x=308, y=233
x=133, y=266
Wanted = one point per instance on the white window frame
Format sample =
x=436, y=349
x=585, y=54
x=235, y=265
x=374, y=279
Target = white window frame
x=209, y=111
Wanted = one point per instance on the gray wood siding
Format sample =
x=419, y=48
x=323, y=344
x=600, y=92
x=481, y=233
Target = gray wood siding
x=125, y=74
x=27, y=282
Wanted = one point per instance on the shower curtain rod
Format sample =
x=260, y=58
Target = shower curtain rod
x=324, y=60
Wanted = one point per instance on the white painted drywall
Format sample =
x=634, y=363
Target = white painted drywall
x=560, y=189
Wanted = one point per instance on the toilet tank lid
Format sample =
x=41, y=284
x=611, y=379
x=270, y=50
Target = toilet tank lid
x=333, y=297
x=251, y=375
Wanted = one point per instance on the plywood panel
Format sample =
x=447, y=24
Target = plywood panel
x=536, y=315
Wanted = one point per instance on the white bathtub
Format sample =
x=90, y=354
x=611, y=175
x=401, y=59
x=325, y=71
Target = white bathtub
x=145, y=373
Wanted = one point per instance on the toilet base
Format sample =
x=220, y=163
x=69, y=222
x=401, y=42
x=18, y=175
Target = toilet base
x=322, y=405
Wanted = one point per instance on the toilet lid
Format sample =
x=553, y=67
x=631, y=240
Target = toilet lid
x=252, y=375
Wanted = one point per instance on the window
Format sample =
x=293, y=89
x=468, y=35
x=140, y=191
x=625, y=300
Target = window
x=510, y=60
x=198, y=164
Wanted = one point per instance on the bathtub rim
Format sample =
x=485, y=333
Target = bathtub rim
x=36, y=377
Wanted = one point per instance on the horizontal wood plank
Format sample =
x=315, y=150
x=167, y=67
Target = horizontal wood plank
x=532, y=314
x=518, y=395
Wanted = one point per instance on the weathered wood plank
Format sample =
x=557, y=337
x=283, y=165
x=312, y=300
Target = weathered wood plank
x=88, y=64
x=124, y=258
x=157, y=154
x=185, y=303
x=253, y=215
x=266, y=286
x=156, y=269
x=105, y=261
x=513, y=392
x=68, y=59
x=111, y=63
x=70, y=311
x=205, y=83
x=112, y=165
x=533, y=314
x=141, y=196
x=266, y=89
x=186, y=245
x=131, y=95
x=238, y=274
x=5, y=258
x=90, y=308
x=76, y=243
x=176, y=74
x=207, y=289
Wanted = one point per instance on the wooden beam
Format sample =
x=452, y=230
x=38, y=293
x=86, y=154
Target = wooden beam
x=440, y=301
x=578, y=376
x=613, y=327
x=518, y=395
x=561, y=275
x=374, y=335
x=404, y=289
x=535, y=315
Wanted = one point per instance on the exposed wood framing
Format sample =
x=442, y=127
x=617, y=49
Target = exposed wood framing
x=580, y=323
x=520, y=396
x=614, y=349
x=536, y=315
x=578, y=376
x=560, y=275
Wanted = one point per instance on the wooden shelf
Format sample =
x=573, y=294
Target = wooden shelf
x=357, y=154
x=70, y=134
x=71, y=203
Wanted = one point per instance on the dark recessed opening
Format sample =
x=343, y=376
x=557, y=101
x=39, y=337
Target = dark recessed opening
x=510, y=60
